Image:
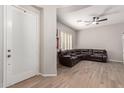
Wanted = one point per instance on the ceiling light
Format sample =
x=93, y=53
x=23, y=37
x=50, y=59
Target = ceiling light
x=94, y=22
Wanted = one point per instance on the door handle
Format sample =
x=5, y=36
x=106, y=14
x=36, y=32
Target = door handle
x=9, y=50
x=9, y=56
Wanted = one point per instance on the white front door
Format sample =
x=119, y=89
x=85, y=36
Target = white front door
x=22, y=61
x=1, y=46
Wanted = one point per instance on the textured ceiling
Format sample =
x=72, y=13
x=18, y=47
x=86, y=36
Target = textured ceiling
x=70, y=14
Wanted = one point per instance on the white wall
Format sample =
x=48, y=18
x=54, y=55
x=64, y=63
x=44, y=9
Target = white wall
x=1, y=50
x=107, y=37
x=62, y=27
x=48, y=41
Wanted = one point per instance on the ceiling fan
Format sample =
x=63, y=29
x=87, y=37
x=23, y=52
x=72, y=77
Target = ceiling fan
x=98, y=18
x=95, y=20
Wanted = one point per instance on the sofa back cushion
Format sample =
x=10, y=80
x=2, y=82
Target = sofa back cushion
x=73, y=52
x=98, y=51
x=84, y=50
x=64, y=52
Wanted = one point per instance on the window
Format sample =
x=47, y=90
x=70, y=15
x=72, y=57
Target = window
x=65, y=40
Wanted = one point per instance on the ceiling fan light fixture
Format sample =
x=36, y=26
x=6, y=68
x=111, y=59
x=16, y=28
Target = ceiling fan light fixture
x=94, y=22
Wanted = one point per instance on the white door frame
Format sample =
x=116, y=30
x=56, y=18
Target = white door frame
x=5, y=41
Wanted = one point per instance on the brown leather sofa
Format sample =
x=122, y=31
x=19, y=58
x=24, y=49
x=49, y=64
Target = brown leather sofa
x=71, y=57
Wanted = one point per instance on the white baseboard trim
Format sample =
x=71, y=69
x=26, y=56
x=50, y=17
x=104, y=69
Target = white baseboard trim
x=38, y=74
x=47, y=75
x=111, y=60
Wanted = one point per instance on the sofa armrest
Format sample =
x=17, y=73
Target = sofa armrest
x=66, y=60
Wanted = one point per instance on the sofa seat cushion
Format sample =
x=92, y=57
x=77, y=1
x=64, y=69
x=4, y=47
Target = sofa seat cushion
x=79, y=55
x=74, y=57
x=67, y=56
x=73, y=54
x=97, y=55
x=70, y=57
x=84, y=53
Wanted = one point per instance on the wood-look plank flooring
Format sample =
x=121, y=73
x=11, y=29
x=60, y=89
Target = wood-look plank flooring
x=85, y=74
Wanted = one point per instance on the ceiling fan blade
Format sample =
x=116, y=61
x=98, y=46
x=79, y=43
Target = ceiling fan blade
x=102, y=20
